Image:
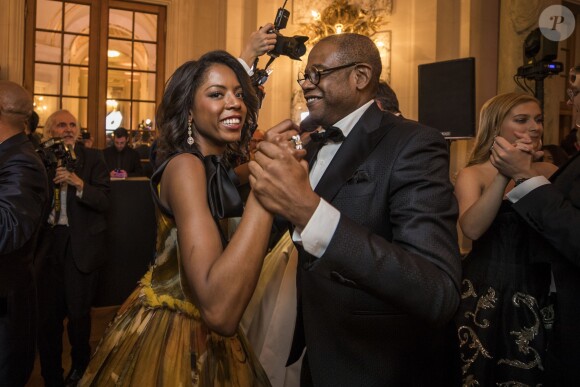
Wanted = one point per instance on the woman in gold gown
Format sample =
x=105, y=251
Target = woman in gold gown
x=180, y=327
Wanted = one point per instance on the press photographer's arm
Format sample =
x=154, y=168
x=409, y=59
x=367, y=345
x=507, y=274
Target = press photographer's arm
x=260, y=42
x=60, y=161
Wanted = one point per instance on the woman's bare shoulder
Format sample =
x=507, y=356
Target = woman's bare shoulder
x=183, y=164
x=545, y=169
x=182, y=174
x=481, y=173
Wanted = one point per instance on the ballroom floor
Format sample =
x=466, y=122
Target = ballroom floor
x=100, y=319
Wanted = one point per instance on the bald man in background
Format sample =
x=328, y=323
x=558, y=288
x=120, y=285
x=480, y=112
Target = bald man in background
x=23, y=198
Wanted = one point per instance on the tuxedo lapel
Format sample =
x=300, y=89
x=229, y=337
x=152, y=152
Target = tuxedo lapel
x=79, y=165
x=361, y=141
x=80, y=155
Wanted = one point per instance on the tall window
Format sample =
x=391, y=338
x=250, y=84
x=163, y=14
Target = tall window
x=97, y=59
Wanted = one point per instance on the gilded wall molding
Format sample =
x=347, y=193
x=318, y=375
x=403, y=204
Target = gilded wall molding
x=524, y=14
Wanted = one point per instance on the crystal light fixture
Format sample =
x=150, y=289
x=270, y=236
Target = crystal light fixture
x=342, y=17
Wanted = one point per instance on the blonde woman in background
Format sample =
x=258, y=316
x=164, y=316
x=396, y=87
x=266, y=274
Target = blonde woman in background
x=505, y=283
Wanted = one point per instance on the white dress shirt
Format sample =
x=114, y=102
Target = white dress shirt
x=249, y=70
x=316, y=235
x=526, y=187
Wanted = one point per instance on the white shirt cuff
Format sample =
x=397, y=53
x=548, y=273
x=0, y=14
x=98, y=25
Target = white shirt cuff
x=526, y=187
x=318, y=232
x=248, y=69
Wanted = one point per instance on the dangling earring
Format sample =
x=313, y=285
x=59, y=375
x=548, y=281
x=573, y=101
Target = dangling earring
x=190, y=139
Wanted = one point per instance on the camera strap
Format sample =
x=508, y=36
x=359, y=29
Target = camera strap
x=57, y=205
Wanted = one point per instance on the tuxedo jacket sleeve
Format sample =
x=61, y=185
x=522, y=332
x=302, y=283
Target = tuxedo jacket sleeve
x=554, y=211
x=23, y=193
x=23, y=206
x=396, y=239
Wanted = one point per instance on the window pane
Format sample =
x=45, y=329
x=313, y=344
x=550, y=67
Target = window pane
x=76, y=18
x=78, y=108
x=120, y=23
x=45, y=106
x=145, y=27
x=118, y=114
x=49, y=15
x=119, y=54
x=75, y=81
x=142, y=111
x=118, y=84
x=48, y=46
x=61, y=61
x=145, y=56
x=144, y=86
x=76, y=49
x=46, y=79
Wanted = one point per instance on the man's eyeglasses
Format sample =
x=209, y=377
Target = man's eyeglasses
x=313, y=75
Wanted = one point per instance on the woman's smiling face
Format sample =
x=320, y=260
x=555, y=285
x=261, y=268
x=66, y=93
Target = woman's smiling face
x=219, y=111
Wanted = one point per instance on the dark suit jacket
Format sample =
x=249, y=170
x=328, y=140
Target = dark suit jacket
x=86, y=215
x=23, y=205
x=128, y=159
x=554, y=211
x=377, y=306
x=23, y=196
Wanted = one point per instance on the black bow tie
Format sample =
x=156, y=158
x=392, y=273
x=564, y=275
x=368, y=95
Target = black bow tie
x=330, y=133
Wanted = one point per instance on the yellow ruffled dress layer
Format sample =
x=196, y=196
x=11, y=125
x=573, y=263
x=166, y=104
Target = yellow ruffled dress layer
x=158, y=338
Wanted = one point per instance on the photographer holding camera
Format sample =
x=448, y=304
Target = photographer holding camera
x=74, y=240
x=260, y=41
x=268, y=39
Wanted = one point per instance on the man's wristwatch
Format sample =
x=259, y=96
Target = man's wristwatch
x=520, y=180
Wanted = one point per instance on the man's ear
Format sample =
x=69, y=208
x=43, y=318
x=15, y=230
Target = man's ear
x=362, y=73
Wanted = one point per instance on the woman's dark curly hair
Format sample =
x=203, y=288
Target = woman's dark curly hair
x=173, y=112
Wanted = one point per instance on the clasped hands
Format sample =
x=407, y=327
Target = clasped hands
x=63, y=175
x=514, y=160
x=279, y=176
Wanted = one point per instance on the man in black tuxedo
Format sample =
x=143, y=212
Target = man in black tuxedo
x=122, y=160
x=379, y=267
x=552, y=208
x=23, y=197
x=76, y=241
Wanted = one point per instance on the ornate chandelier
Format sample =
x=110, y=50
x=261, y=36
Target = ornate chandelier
x=342, y=17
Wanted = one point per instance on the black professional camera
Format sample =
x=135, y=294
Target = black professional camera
x=54, y=153
x=292, y=47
